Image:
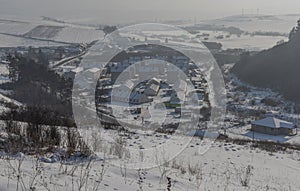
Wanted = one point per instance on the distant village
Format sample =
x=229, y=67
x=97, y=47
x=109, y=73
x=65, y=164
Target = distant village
x=144, y=62
x=147, y=80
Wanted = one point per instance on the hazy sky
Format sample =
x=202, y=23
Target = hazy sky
x=135, y=10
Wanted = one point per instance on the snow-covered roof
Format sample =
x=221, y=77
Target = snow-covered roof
x=153, y=87
x=94, y=70
x=129, y=84
x=273, y=122
x=71, y=69
x=154, y=81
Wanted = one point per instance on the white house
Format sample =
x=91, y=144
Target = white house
x=93, y=73
x=274, y=126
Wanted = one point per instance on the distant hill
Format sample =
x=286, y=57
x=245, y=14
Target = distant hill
x=277, y=68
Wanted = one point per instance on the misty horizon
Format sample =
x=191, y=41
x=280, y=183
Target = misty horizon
x=120, y=12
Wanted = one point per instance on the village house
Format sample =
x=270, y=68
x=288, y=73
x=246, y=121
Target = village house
x=138, y=98
x=93, y=73
x=70, y=72
x=153, y=87
x=152, y=90
x=274, y=126
x=154, y=81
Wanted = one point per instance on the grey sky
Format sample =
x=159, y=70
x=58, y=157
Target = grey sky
x=135, y=10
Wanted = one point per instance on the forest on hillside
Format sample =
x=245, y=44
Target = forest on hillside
x=277, y=68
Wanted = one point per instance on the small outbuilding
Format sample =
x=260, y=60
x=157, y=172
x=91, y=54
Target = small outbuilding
x=274, y=126
x=71, y=73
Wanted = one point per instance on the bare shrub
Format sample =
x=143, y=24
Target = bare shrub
x=118, y=148
x=163, y=165
x=179, y=166
x=246, y=176
x=99, y=177
x=196, y=172
x=27, y=132
x=25, y=180
x=84, y=175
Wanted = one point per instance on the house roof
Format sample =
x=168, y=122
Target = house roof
x=153, y=87
x=275, y=123
x=129, y=84
x=154, y=81
x=77, y=70
x=94, y=70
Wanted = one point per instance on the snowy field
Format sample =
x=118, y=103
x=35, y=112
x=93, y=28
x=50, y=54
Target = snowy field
x=16, y=32
x=69, y=34
x=248, y=42
x=15, y=27
x=256, y=43
x=253, y=22
x=79, y=35
x=12, y=41
x=224, y=167
x=72, y=33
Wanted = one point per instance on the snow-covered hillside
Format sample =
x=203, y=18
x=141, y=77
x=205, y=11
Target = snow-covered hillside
x=254, y=22
x=21, y=32
x=258, y=32
x=15, y=27
x=13, y=41
x=224, y=167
